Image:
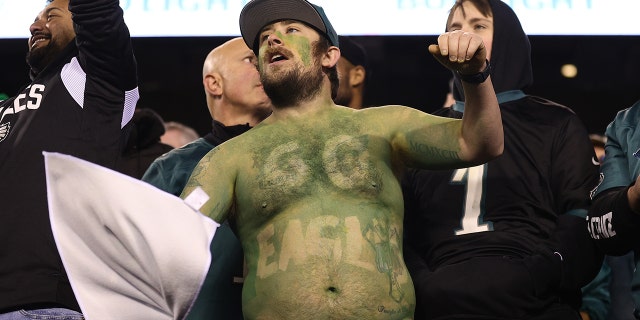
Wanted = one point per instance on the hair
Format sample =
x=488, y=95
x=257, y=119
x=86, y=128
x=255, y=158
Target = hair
x=188, y=132
x=322, y=46
x=483, y=6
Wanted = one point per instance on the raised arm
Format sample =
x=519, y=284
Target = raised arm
x=481, y=137
x=104, y=43
x=102, y=77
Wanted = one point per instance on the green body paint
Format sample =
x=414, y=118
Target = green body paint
x=319, y=212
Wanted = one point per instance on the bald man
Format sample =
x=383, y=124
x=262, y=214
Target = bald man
x=236, y=102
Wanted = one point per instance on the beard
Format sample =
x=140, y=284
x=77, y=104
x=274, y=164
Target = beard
x=294, y=86
x=40, y=58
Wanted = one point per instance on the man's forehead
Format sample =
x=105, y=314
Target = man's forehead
x=285, y=22
x=61, y=5
x=48, y=9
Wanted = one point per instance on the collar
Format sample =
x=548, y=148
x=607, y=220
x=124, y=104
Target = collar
x=503, y=97
x=221, y=133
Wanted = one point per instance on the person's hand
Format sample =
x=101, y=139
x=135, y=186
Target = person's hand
x=460, y=51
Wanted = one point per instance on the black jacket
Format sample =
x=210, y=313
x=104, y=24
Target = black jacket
x=143, y=143
x=80, y=104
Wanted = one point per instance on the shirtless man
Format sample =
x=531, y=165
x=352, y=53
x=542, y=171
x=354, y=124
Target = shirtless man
x=313, y=190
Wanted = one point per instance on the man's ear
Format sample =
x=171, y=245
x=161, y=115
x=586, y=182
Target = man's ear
x=357, y=75
x=331, y=57
x=213, y=84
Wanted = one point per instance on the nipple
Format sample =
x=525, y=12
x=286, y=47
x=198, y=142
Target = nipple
x=333, y=290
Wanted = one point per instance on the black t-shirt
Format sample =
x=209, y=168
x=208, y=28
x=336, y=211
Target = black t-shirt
x=510, y=205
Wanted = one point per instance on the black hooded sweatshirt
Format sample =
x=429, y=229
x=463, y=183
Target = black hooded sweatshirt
x=529, y=202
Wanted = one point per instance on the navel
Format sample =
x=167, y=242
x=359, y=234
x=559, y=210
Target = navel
x=333, y=291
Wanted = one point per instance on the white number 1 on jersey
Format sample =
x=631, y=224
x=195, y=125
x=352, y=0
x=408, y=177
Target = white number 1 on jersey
x=473, y=204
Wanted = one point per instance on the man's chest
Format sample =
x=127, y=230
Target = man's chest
x=279, y=174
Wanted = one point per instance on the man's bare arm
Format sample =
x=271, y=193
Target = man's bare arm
x=481, y=138
x=211, y=185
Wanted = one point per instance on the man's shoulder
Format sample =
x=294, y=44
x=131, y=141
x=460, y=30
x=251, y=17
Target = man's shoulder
x=387, y=113
x=544, y=105
x=628, y=117
x=540, y=111
x=170, y=171
x=623, y=131
x=191, y=152
x=384, y=108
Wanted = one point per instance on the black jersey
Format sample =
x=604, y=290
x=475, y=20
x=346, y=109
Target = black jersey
x=79, y=104
x=510, y=205
x=509, y=208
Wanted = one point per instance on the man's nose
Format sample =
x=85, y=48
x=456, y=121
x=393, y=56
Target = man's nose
x=36, y=26
x=274, y=39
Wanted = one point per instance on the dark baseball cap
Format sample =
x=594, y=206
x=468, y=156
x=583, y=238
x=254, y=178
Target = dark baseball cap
x=353, y=51
x=259, y=13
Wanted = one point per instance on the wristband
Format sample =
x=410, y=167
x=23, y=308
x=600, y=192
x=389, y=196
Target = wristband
x=479, y=77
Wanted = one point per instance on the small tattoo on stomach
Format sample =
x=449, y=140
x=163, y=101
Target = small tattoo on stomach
x=382, y=309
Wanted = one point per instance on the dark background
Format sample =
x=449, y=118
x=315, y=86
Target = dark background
x=403, y=72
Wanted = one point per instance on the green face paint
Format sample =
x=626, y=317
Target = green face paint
x=293, y=41
x=302, y=44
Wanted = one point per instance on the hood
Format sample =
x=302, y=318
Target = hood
x=510, y=53
x=146, y=130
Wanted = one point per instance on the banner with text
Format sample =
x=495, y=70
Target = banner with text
x=175, y=18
